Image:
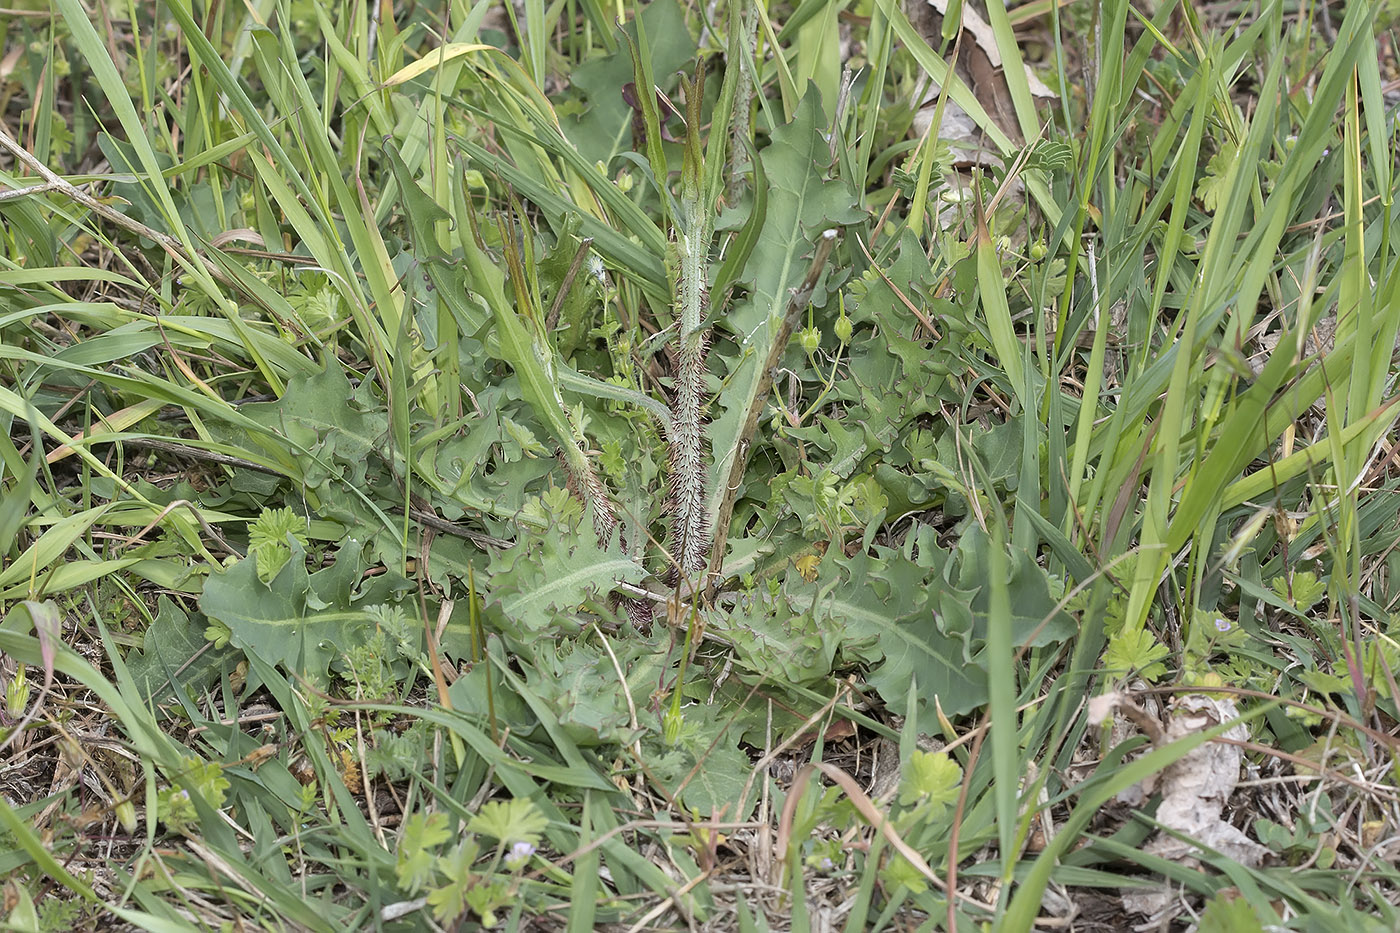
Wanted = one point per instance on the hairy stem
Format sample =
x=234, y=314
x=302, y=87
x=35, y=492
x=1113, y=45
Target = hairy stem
x=743, y=40
x=690, y=531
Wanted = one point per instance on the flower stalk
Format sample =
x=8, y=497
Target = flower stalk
x=689, y=463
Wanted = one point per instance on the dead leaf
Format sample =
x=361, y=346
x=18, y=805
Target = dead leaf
x=1101, y=707
x=979, y=65
x=1197, y=787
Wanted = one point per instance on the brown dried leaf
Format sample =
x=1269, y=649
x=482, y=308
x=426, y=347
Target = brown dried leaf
x=1196, y=788
x=979, y=64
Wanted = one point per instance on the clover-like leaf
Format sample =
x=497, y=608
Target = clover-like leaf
x=422, y=834
x=514, y=820
x=268, y=538
x=1301, y=590
x=930, y=778
x=1136, y=652
x=1212, y=185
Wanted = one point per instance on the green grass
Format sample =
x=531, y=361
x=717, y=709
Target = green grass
x=446, y=487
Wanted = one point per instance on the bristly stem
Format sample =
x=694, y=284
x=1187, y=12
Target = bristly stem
x=690, y=531
x=743, y=39
x=532, y=351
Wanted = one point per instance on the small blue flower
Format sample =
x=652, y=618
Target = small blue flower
x=519, y=854
x=1222, y=625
